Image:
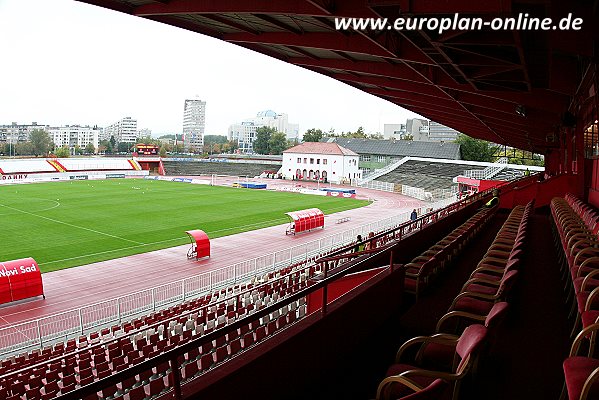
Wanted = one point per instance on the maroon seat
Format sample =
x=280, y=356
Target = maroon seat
x=401, y=376
x=480, y=303
x=577, y=372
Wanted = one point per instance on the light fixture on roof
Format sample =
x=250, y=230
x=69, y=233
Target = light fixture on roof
x=520, y=110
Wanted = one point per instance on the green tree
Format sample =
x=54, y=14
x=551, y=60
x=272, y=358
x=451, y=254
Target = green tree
x=263, y=134
x=233, y=145
x=124, y=147
x=105, y=146
x=22, y=149
x=162, y=152
x=112, y=143
x=313, y=135
x=407, y=136
x=62, y=152
x=78, y=150
x=40, y=142
x=90, y=149
x=476, y=149
x=277, y=143
x=359, y=134
x=220, y=139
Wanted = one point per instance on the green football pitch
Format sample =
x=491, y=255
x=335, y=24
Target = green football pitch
x=65, y=224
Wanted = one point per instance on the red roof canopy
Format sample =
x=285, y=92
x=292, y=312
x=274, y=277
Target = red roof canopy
x=507, y=86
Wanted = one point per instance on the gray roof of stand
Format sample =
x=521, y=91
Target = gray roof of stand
x=400, y=148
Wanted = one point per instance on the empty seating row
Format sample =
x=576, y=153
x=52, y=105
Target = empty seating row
x=423, y=268
x=443, y=360
x=497, y=271
x=575, y=228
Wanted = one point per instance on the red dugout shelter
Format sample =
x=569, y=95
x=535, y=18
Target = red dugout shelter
x=200, y=244
x=305, y=220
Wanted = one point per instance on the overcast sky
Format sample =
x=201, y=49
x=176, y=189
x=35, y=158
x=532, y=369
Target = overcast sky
x=65, y=62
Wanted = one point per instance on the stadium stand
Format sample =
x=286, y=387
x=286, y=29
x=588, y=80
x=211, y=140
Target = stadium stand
x=431, y=175
x=422, y=269
x=443, y=360
x=399, y=148
x=102, y=164
x=25, y=166
x=216, y=168
x=66, y=165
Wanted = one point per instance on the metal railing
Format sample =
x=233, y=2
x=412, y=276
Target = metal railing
x=488, y=172
x=382, y=171
x=378, y=185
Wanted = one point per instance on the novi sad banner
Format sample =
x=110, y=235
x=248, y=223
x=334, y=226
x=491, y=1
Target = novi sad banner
x=20, y=279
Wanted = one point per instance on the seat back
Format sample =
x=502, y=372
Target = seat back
x=469, y=344
x=496, y=315
x=507, y=282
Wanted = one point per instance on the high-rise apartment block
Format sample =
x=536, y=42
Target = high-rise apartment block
x=194, y=122
x=124, y=130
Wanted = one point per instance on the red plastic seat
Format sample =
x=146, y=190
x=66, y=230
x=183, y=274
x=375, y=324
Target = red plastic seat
x=467, y=347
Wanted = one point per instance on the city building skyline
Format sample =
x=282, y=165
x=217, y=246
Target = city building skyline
x=420, y=129
x=244, y=133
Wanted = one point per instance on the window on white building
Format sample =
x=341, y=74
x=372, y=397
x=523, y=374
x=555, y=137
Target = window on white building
x=311, y=161
x=365, y=158
x=305, y=160
x=324, y=161
x=299, y=160
x=318, y=161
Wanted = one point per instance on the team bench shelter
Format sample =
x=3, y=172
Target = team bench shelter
x=305, y=220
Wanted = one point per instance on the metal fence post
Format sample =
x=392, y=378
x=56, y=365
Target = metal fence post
x=39, y=333
x=80, y=321
x=153, y=299
x=118, y=309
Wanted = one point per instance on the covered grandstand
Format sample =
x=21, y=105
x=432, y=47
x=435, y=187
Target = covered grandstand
x=500, y=270
x=431, y=174
x=207, y=168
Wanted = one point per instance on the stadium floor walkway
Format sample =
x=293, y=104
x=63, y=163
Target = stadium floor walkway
x=80, y=286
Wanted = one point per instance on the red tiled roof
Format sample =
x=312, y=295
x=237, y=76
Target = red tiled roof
x=320, y=148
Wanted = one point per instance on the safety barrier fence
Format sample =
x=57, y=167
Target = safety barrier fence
x=378, y=185
x=58, y=327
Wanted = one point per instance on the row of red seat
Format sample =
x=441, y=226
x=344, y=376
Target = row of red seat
x=443, y=360
x=66, y=366
x=421, y=271
x=575, y=227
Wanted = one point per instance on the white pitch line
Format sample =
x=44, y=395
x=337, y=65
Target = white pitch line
x=42, y=210
x=72, y=225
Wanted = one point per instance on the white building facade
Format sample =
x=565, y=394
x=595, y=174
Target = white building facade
x=14, y=132
x=75, y=135
x=326, y=162
x=194, y=123
x=124, y=130
x=244, y=133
